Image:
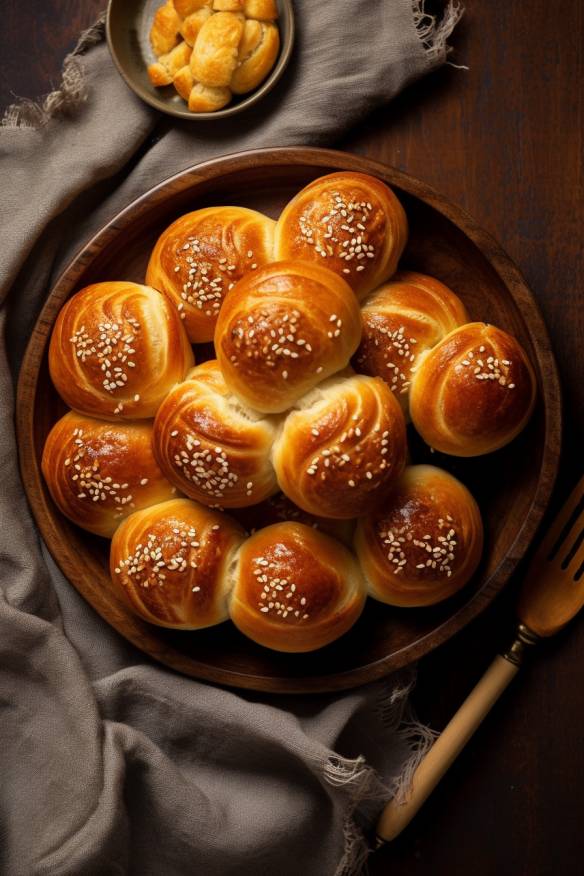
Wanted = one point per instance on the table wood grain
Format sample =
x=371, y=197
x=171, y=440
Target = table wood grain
x=504, y=139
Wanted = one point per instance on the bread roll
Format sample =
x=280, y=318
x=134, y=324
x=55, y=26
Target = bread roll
x=295, y=589
x=202, y=255
x=208, y=99
x=343, y=448
x=193, y=23
x=258, y=51
x=185, y=8
x=228, y=5
x=170, y=564
x=473, y=392
x=98, y=473
x=215, y=52
x=116, y=350
x=350, y=222
x=266, y=10
x=212, y=448
x=183, y=82
x=424, y=544
x=163, y=71
x=164, y=33
x=401, y=320
x=282, y=330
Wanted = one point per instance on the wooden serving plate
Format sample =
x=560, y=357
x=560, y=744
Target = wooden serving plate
x=512, y=486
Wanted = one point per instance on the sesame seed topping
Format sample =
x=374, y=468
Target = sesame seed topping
x=493, y=369
x=151, y=561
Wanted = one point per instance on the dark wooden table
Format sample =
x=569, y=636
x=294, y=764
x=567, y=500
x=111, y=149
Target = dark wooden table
x=504, y=140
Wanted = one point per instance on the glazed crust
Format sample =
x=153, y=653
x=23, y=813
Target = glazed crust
x=425, y=543
x=295, y=589
x=202, y=255
x=99, y=473
x=169, y=563
x=210, y=447
x=350, y=222
x=116, y=350
x=402, y=320
x=473, y=392
x=344, y=447
x=283, y=329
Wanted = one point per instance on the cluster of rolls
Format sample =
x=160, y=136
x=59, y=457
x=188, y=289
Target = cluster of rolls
x=211, y=50
x=305, y=451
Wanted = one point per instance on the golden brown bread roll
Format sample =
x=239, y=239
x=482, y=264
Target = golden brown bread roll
x=183, y=82
x=202, y=255
x=207, y=99
x=116, y=350
x=424, y=544
x=193, y=23
x=339, y=453
x=350, y=222
x=185, y=8
x=162, y=72
x=212, y=448
x=258, y=51
x=401, y=320
x=473, y=392
x=98, y=473
x=266, y=10
x=228, y=5
x=295, y=589
x=169, y=563
x=164, y=33
x=215, y=52
x=283, y=329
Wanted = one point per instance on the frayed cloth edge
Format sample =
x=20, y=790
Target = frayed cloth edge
x=70, y=95
x=433, y=33
x=363, y=785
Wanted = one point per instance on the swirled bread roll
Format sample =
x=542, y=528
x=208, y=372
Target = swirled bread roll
x=98, y=473
x=424, y=544
x=257, y=53
x=198, y=258
x=283, y=329
x=339, y=453
x=170, y=563
x=473, y=392
x=116, y=350
x=210, y=446
x=215, y=53
x=295, y=589
x=351, y=223
x=402, y=320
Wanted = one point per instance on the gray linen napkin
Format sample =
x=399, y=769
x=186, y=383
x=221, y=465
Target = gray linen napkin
x=108, y=763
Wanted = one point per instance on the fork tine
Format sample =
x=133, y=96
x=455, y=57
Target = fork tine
x=575, y=549
x=562, y=526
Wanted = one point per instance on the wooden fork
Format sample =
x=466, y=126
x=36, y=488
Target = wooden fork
x=552, y=594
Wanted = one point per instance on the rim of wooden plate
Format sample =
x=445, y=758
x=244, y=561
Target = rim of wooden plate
x=491, y=250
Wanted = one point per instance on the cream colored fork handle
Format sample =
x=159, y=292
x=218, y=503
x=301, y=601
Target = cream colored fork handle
x=447, y=747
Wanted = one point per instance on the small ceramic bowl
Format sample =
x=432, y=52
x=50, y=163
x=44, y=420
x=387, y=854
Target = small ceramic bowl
x=128, y=26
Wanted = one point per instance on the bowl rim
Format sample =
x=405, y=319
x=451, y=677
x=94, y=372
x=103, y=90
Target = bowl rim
x=256, y=95
x=549, y=392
